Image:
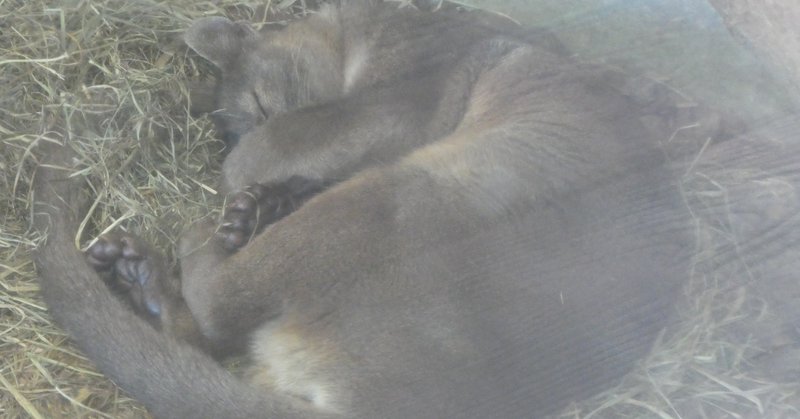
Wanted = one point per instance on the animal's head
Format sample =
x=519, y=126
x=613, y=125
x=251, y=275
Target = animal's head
x=266, y=73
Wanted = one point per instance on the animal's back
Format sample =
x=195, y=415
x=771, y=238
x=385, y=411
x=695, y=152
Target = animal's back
x=511, y=319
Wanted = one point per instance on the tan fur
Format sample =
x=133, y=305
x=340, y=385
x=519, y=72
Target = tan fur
x=290, y=361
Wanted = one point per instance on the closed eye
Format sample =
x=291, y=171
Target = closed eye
x=224, y=114
x=260, y=105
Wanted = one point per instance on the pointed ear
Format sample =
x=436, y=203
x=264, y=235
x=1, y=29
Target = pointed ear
x=217, y=39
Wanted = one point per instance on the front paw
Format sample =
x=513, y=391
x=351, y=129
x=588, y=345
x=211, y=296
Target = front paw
x=260, y=205
x=135, y=270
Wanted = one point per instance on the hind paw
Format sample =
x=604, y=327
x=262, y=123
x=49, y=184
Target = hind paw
x=135, y=270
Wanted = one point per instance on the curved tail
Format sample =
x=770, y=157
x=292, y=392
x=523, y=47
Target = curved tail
x=173, y=379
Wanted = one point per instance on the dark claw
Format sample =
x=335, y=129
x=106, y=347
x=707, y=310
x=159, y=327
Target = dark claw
x=240, y=221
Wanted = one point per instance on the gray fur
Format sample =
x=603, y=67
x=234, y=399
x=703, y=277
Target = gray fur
x=504, y=236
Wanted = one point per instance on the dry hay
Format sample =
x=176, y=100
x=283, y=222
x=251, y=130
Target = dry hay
x=113, y=77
